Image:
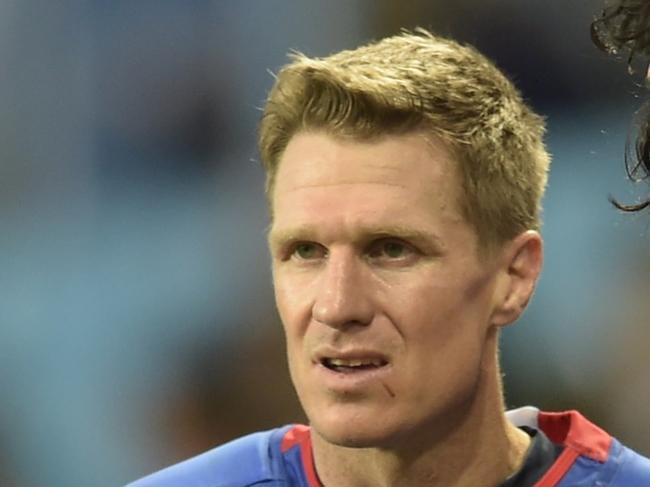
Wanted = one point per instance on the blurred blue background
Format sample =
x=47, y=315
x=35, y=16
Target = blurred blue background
x=137, y=324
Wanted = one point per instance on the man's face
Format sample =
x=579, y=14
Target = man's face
x=384, y=300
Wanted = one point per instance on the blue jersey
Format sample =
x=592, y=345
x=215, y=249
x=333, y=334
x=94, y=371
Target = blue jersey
x=283, y=458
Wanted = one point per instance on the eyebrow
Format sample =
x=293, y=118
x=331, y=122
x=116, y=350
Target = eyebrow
x=308, y=231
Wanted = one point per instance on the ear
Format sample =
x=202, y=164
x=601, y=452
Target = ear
x=521, y=263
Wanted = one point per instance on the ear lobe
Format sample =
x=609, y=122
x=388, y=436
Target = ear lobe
x=522, y=264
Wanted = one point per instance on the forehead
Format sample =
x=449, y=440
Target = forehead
x=396, y=180
x=316, y=159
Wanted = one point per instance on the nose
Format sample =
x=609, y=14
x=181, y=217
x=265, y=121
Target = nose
x=342, y=298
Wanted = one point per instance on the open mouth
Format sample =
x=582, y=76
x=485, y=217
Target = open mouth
x=347, y=366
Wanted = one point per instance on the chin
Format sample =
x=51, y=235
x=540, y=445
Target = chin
x=353, y=439
x=360, y=431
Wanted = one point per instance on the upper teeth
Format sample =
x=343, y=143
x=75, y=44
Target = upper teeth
x=338, y=362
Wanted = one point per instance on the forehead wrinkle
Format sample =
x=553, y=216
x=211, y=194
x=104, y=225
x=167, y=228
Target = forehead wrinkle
x=346, y=183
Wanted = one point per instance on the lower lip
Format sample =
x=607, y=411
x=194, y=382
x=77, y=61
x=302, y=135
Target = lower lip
x=351, y=380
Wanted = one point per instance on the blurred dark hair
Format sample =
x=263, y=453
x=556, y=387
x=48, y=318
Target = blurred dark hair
x=624, y=25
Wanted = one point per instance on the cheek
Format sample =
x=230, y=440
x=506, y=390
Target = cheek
x=444, y=304
x=428, y=309
x=295, y=324
x=290, y=323
x=289, y=300
x=294, y=308
x=444, y=353
x=442, y=330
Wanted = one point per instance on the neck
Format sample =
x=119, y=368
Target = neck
x=481, y=447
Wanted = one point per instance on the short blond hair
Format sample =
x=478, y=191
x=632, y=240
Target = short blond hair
x=416, y=81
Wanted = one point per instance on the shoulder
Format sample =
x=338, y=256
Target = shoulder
x=632, y=469
x=599, y=456
x=623, y=467
x=243, y=462
x=590, y=457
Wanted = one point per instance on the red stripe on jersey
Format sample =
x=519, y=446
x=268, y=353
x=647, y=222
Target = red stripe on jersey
x=294, y=436
x=579, y=436
x=300, y=435
x=561, y=466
